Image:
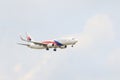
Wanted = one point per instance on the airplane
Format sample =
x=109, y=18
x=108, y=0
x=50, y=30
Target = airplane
x=47, y=44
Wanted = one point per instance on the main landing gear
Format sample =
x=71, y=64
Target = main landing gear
x=47, y=49
x=54, y=49
x=65, y=46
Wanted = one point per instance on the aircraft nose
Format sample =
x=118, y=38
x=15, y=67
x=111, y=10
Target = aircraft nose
x=75, y=40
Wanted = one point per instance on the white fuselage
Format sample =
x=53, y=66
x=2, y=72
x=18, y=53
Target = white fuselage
x=66, y=42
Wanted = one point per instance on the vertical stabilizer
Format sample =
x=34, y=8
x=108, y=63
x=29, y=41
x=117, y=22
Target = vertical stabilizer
x=28, y=37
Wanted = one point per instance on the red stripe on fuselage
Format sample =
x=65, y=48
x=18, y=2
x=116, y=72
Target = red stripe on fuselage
x=48, y=42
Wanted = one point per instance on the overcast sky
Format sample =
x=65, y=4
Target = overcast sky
x=96, y=23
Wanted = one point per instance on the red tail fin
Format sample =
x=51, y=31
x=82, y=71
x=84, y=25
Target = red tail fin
x=28, y=38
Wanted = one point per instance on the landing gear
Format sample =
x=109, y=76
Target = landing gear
x=72, y=46
x=65, y=46
x=53, y=45
x=47, y=49
x=54, y=49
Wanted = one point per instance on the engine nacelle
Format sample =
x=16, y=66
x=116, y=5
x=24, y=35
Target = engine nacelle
x=50, y=45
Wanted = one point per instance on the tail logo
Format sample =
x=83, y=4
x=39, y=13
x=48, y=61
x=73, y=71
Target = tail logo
x=28, y=38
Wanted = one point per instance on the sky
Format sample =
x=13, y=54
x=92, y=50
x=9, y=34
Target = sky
x=95, y=23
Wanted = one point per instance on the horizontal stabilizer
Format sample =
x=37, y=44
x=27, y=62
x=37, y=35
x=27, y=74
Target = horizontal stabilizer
x=23, y=44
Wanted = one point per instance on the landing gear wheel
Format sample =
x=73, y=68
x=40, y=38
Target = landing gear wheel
x=72, y=46
x=47, y=49
x=65, y=46
x=54, y=49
